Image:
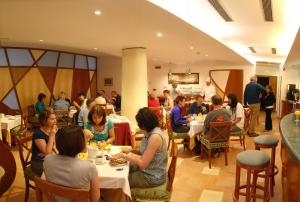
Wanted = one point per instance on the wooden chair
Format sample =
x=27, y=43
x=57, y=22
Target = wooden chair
x=21, y=130
x=242, y=134
x=162, y=192
x=8, y=164
x=159, y=113
x=25, y=156
x=175, y=136
x=50, y=190
x=218, y=138
x=30, y=111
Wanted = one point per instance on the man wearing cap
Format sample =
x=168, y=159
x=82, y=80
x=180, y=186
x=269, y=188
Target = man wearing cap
x=209, y=90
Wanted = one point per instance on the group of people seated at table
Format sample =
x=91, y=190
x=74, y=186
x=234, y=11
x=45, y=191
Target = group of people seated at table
x=148, y=165
x=233, y=112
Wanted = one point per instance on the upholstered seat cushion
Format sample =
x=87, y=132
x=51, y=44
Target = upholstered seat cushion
x=29, y=173
x=266, y=140
x=180, y=136
x=213, y=145
x=158, y=193
x=253, y=158
x=238, y=133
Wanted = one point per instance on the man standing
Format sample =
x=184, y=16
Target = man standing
x=209, y=90
x=252, y=93
x=168, y=104
x=174, y=92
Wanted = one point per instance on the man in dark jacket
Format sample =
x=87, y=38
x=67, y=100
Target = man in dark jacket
x=252, y=94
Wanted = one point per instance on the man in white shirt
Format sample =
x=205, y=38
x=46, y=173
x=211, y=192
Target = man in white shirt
x=209, y=90
x=174, y=91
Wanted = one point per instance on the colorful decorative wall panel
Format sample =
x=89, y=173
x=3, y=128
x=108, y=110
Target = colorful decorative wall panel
x=26, y=72
x=228, y=81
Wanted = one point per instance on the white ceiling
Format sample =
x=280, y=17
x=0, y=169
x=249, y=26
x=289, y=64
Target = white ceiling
x=248, y=28
x=71, y=25
x=293, y=59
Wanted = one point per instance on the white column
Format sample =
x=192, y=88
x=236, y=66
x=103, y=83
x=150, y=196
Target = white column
x=134, y=81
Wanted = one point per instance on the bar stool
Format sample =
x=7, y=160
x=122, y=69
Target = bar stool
x=254, y=162
x=269, y=142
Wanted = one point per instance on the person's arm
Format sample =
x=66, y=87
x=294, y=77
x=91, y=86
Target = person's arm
x=95, y=189
x=87, y=133
x=178, y=119
x=46, y=148
x=76, y=105
x=111, y=138
x=142, y=162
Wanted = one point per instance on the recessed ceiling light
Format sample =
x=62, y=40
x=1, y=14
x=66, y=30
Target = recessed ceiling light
x=206, y=55
x=95, y=48
x=41, y=40
x=159, y=34
x=97, y=12
x=192, y=47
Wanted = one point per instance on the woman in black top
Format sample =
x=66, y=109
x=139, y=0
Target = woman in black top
x=269, y=101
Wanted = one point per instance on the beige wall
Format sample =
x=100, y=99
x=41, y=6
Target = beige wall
x=158, y=78
x=109, y=67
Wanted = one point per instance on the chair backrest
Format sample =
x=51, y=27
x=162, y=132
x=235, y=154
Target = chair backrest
x=8, y=163
x=169, y=125
x=116, y=130
x=172, y=167
x=247, y=118
x=49, y=190
x=24, y=150
x=219, y=131
x=30, y=111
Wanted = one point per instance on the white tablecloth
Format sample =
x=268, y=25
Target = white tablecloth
x=9, y=122
x=111, y=178
x=195, y=127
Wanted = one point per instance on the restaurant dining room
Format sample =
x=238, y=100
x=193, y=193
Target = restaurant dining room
x=149, y=100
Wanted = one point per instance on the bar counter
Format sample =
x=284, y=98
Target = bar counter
x=290, y=155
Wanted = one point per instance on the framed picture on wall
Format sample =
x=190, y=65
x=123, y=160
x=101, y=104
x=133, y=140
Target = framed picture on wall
x=183, y=78
x=108, y=81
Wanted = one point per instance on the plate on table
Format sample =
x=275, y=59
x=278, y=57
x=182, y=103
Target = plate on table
x=118, y=162
x=125, y=148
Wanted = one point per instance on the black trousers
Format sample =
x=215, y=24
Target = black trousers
x=268, y=121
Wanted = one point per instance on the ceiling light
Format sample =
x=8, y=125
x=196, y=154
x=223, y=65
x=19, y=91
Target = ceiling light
x=192, y=47
x=95, y=48
x=159, y=34
x=41, y=40
x=97, y=12
x=206, y=55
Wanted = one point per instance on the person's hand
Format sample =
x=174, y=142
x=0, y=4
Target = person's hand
x=189, y=118
x=53, y=130
x=88, y=134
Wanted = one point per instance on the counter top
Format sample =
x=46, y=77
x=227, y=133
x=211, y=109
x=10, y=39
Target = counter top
x=290, y=134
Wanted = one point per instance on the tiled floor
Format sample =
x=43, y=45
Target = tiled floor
x=194, y=181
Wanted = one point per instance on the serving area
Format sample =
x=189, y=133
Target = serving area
x=290, y=156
